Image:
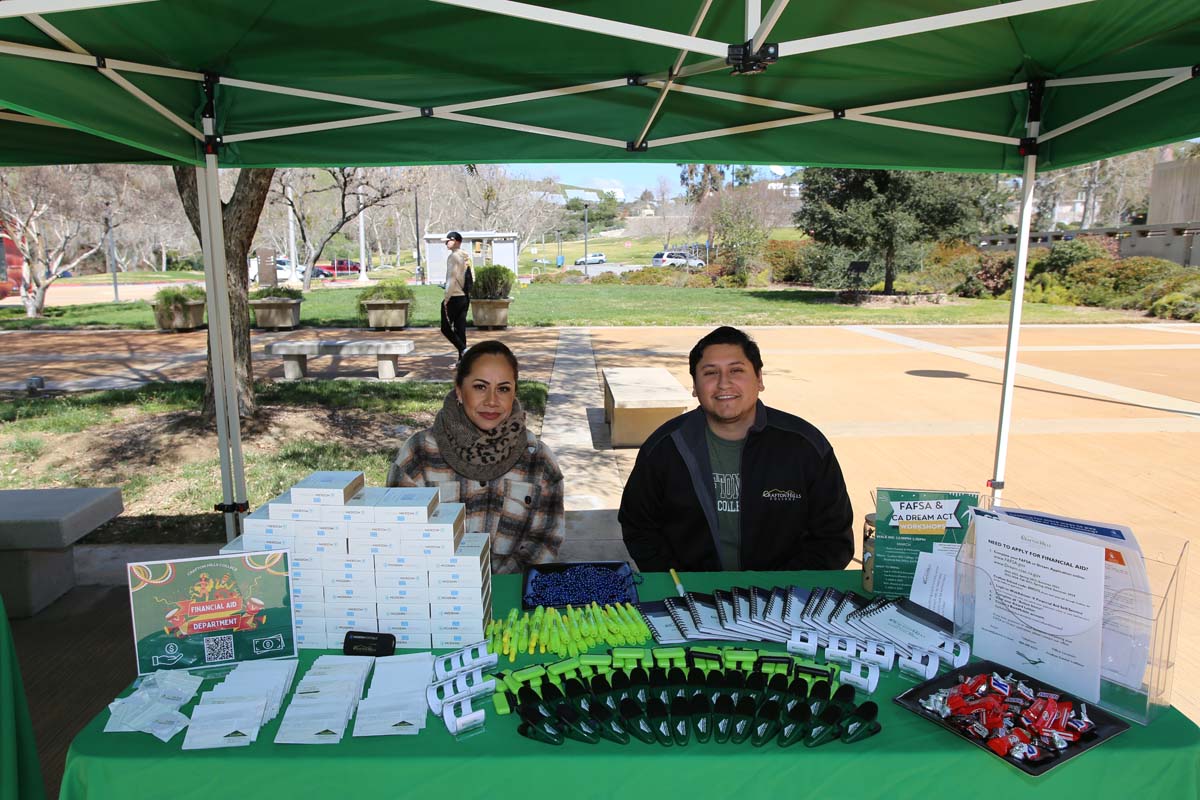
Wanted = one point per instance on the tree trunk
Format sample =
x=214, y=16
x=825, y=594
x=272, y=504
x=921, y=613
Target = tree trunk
x=889, y=271
x=240, y=220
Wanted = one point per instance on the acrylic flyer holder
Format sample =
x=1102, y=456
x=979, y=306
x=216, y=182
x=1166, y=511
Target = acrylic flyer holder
x=1136, y=676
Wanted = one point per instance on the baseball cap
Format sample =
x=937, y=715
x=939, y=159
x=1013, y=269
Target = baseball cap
x=455, y=235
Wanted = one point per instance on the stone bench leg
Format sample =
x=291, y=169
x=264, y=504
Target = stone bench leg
x=33, y=579
x=386, y=366
x=632, y=426
x=295, y=367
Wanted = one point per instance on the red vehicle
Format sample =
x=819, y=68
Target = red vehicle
x=10, y=278
x=344, y=265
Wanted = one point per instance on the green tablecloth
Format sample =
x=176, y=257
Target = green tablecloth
x=20, y=774
x=910, y=758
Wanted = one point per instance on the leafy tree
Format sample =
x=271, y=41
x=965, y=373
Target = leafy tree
x=739, y=231
x=742, y=174
x=646, y=196
x=882, y=212
x=600, y=216
x=700, y=180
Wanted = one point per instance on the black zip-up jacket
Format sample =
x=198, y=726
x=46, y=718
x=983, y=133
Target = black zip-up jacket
x=795, y=513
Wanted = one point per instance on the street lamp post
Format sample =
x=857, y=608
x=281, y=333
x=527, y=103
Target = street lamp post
x=362, y=238
x=585, y=239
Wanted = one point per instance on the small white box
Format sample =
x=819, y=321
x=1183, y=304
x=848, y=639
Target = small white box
x=466, y=627
x=308, y=609
x=405, y=595
x=338, y=562
x=350, y=610
x=309, y=546
x=306, y=560
x=328, y=488
x=448, y=522
x=402, y=610
x=401, y=578
x=475, y=550
x=303, y=592
x=360, y=508
x=427, y=549
x=454, y=640
x=262, y=541
x=401, y=625
x=310, y=624
x=461, y=596
x=321, y=530
x=283, y=508
x=233, y=548
x=391, y=561
x=345, y=594
x=339, y=627
x=373, y=531
x=304, y=575
x=407, y=504
x=312, y=641
x=472, y=610
x=466, y=578
x=259, y=521
x=371, y=547
x=349, y=580
x=412, y=641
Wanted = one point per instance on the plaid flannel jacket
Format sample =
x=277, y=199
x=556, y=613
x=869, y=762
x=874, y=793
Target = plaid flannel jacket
x=522, y=510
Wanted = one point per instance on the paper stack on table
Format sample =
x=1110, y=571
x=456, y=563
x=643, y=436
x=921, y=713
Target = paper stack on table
x=231, y=714
x=324, y=701
x=396, y=704
x=154, y=706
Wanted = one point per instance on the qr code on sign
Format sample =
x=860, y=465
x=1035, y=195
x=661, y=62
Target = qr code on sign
x=218, y=648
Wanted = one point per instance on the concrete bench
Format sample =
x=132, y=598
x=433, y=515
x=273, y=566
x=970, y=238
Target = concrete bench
x=639, y=399
x=38, y=532
x=295, y=354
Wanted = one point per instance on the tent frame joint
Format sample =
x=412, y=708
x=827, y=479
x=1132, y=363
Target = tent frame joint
x=101, y=62
x=635, y=147
x=1028, y=146
x=745, y=60
x=1196, y=70
x=232, y=508
x=636, y=80
x=1037, y=90
x=839, y=113
x=426, y=111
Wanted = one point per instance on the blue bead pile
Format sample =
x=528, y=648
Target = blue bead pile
x=578, y=585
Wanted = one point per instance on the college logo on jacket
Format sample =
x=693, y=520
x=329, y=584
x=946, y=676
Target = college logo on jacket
x=780, y=494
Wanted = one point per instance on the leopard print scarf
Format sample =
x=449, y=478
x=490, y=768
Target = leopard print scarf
x=475, y=454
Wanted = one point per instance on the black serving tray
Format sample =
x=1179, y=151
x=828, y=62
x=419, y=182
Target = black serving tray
x=622, y=570
x=1106, y=725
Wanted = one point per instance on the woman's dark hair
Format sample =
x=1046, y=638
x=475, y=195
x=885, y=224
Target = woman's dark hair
x=726, y=335
x=491, y=347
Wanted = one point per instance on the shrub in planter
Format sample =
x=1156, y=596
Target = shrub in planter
x=276, y=306
x=179, y=308
x=387, y=304
x=490, y=296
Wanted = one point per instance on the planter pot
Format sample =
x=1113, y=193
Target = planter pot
x=490, y=313
x=387, y=313
x=276, y=312
x=189, y=317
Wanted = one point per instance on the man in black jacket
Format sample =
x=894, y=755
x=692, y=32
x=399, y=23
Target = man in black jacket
x=735, y=485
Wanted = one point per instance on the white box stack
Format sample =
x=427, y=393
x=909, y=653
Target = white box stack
x=366, y=558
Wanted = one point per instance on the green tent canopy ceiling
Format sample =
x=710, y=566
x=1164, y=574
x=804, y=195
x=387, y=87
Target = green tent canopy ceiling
x=426, y=73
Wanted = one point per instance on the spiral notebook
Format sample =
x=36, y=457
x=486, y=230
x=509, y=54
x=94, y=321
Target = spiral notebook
x=793, y=606
x=906, y=625
x=659, y=620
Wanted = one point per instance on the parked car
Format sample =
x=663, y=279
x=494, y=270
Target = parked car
x=676, y=258
x=345, y=265
x=322, y=272
x=283, y=270
x=591, y=258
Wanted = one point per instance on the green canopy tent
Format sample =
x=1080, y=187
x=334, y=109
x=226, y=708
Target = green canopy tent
x=928, y=84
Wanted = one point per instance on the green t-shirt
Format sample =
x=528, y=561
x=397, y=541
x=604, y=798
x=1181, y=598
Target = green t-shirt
x=726, y=460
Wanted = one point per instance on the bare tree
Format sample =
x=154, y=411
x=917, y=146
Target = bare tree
x=52, y=215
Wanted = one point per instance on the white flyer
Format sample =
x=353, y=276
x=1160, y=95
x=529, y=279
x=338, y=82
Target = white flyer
x=933, y=583
x=1128, y=606
x=1039, y=603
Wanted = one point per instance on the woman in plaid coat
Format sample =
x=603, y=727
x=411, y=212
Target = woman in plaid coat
x=479, y=452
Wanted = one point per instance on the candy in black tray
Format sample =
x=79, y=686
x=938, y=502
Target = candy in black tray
x=1030, y=724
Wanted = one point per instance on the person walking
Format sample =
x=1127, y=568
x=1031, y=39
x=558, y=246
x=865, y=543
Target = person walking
x=457, y=297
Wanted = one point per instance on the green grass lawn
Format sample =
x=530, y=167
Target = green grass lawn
x=548, y=305
x=641, y=249
x=105, y=279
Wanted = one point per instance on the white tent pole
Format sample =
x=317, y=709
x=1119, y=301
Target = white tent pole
x=1029, y=178
x=1113, y=108
x=753, y=17
x=19, y=8
x=757, y=126
x=666, y=85
x=937, y=129
x=745, y=99
x=228, y=381
x=214, y=348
